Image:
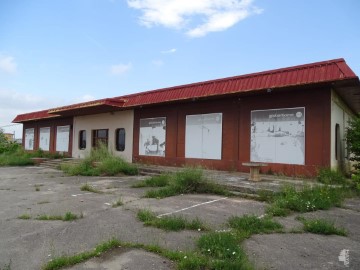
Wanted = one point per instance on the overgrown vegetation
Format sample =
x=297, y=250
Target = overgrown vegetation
x=321, y=226
x=12, y=154
x=100, y=162
x=170, y=223
x=189, y=180
x=331, y=177
x=306, y=199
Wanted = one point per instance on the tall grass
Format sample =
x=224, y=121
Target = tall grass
x=189, y=180
x=330, y=177
x=100, y=162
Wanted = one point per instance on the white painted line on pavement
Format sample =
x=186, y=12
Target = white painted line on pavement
x=196, y=205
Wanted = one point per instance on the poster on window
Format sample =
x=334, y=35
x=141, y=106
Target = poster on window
x=44, y=142
x=62, y=138
x=203, y=136
x=278, y=136
x=29, y=139
x=152, y=136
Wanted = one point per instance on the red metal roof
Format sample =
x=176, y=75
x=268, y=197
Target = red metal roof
x=102, y=104
x=33, y=116
x=319, y=72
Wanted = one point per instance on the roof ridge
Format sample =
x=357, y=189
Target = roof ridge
x=249, y=75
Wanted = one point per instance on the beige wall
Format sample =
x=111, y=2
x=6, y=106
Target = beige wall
x=110, y=121
x=340, y=114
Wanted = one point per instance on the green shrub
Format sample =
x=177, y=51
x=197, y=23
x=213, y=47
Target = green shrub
x=321, y=226
x=330, y=177
x=253, y=224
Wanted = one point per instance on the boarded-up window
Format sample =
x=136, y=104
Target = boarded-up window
x=203, y=136
x=62, y=138
x=44, y=142
x=29, y=139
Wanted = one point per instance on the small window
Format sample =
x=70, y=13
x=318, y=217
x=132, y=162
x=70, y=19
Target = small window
x=120, y=139
x=337, y=142
x=100, y=136
x=82, y=139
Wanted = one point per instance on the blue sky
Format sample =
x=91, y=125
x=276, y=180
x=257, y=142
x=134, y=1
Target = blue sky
x=59, y=52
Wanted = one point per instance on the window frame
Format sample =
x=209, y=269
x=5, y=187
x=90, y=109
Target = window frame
x=82, y=139
x=95, y=137
x=117, y=139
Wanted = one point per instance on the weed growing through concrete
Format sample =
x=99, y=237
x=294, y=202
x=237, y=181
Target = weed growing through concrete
x=321, y=226
x=170, y=223
x=118, y=203
x=254, y=225
x=305, y=200
x=67, y=217
x=221, y=250
x=89, y=188
x=189, y=180
x=24, y=216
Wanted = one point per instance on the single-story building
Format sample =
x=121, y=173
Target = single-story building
x=293, y=119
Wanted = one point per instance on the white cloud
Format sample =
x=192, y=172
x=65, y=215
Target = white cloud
x=120, y=69
x=173, y=50
x=7, y=64
x=215, y=15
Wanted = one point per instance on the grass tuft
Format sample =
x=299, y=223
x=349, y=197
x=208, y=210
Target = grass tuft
x=67, y=217
x=170, y=223
x=118, y=203
x=321, y=226
x=24, y=216
x=155, y=181
x=89, y=188
x=224, y=250
x=253, y=225
x=189, y=180
x=305, y=200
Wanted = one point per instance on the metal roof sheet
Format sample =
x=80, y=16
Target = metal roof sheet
x=319, y=72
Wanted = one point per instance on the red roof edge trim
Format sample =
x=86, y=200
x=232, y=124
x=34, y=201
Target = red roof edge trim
x=33, y=116
x=115, y=102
